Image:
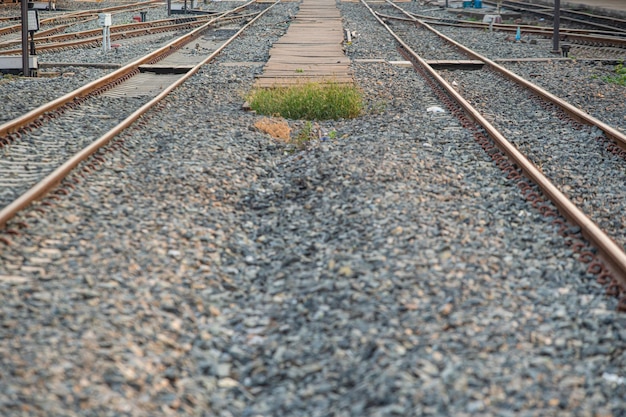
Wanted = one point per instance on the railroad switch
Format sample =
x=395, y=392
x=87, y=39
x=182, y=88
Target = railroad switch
x=565, y=49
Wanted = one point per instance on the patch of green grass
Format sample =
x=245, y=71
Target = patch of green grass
x=304, y=135
x=619, y=77
x=379, y=107
x=311, y=101
x=7, y=78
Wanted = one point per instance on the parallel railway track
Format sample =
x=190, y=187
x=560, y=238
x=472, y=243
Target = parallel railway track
x=585, y=18
x=208, y=269
x=91, y=38
x=575, y=36
x=63, y=21
x=506, y=151
x=31, y=163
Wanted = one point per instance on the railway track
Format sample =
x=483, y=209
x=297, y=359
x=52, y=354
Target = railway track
x=41, y=147
x=91, y=38
x=207, y=269
x=63, y=21
x=573, y=36
x=606, y=23
x=568, y=186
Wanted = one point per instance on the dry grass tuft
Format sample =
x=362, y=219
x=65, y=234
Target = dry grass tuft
x=277, y=128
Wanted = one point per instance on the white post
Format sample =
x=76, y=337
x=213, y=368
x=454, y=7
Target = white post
x=105, y=22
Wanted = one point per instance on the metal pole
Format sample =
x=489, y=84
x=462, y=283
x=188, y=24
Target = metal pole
x=169, y=7
x=25, y=60
x=32, y=42
x=557, y=18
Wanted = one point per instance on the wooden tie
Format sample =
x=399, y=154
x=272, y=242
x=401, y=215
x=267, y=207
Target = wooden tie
x=310, y=51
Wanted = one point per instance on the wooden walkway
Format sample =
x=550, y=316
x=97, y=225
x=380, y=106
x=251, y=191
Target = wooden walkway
x=311, y=50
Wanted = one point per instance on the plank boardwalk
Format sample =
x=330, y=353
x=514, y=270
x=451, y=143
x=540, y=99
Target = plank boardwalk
x=311, y=50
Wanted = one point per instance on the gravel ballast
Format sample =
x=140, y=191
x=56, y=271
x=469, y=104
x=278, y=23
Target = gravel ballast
x=208, y=269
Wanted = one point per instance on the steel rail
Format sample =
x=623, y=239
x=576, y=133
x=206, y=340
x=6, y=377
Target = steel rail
x=121, y=28
x=574, y=112
x=14, y=125
x=549, y=12
x=573, y=35
x=613, y=255
x=134, y=28
x=89, y=15
x=96, y=38
x=96, y=34
x=54, y=178
x=601, y=35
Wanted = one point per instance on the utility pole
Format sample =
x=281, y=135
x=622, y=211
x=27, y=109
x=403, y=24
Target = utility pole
x=557, y=18
x=25, y=56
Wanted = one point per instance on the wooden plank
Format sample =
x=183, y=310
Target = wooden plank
x=307, y=54
x=318, y=68
x=311, y=50
x=307, y=64
x=303, y=50
x=306, y=72
x=459, y=64
x=304, y=47
x=285, y=82
x=306, y=60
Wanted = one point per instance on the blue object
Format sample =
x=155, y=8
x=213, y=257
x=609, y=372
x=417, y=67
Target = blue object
x=478, y=4
x=467, y=4
x=518, y=35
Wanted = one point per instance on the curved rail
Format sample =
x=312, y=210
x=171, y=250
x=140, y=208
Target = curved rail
x=566, y=34
x=573, y=111
x=48, y=183
x=94, y=36
x=89, y=15
x=613, y=255
x=16, y=124
x=130, y=30
x=588, y=19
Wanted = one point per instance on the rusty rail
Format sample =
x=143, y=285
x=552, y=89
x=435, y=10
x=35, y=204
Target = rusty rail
x=572, y=111
x=578, y=36
x=15, y=125
x=118, y=32
x=48, y=183
x=94, y=36
x=89, y=14
x=613, y=255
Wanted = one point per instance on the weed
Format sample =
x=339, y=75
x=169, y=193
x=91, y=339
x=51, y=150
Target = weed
x=310, y=101
x=304, y=135
x=620, y=75
x=379, y=107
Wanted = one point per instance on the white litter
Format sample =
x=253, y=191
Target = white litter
x=435, y=109
x=614, y=378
